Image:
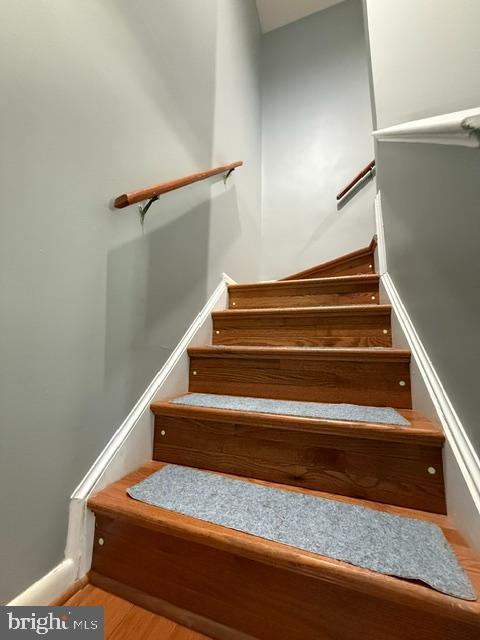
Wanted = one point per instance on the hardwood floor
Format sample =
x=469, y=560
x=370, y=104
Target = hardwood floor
x=124, y=620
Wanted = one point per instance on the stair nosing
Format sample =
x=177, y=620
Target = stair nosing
x=337, y=310
x=368, y=277
x=320, y=426
x=325, y=353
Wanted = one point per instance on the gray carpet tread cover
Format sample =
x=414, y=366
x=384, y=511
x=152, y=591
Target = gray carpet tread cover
x=351, y=533
x=321, y=410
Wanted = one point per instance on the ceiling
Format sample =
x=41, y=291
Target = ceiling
x=277, y=13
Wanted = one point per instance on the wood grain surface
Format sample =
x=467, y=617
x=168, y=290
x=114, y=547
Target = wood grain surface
x=337, y=326
x=376, y=377
x=362, y=289
x=268, y=590
x=346, y=463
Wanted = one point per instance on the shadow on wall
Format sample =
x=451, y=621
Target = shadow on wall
x=157, y=282
x=152, y=281
x=356, y=189
x=130, y=100
x=225, y=229
x=360, y=197
x=156, y=285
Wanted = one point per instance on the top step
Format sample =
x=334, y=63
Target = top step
x=312, y=292
x=356, y=262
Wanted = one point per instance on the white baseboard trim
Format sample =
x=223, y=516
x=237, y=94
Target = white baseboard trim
x=129, y=447
x=49, y=588
x=462, y=464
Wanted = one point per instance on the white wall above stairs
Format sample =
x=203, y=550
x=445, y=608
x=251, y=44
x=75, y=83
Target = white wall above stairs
x=316, y=133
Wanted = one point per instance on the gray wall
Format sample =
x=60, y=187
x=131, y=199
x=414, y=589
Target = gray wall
x=424, y=60
x=316, y=136
x=424, y=56
x=430, y=202
x=99, y=97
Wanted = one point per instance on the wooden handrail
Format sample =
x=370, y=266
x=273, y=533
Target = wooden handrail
x=153, y=192
x=357, y=179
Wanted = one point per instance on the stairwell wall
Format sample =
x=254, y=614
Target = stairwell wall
x=316, y=136
x=424, y=57
x=99, y=98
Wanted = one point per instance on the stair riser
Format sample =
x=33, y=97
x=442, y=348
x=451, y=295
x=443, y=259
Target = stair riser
x=259, y=599
x=303, y=295
x=389, y=472
x=374, y=382
x=298, y=331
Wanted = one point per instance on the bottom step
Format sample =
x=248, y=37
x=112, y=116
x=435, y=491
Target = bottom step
x=236, y=585
x=359, y=535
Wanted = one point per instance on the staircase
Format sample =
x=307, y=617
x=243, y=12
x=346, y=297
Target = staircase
x=321, y=336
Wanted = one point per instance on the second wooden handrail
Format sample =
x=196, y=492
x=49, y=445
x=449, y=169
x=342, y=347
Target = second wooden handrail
x=357, y=179
x=157, y=190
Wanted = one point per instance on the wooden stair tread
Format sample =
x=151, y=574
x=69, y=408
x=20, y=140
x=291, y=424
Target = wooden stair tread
x=114, y=502
x=303, y=353
x=421, y=429
x=305, y=284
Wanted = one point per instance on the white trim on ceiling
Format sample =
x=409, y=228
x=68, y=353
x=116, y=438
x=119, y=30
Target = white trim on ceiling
x=458, y=128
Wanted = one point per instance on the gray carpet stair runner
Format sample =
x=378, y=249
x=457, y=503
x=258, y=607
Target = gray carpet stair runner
x=327, y=411
x=394, y=545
